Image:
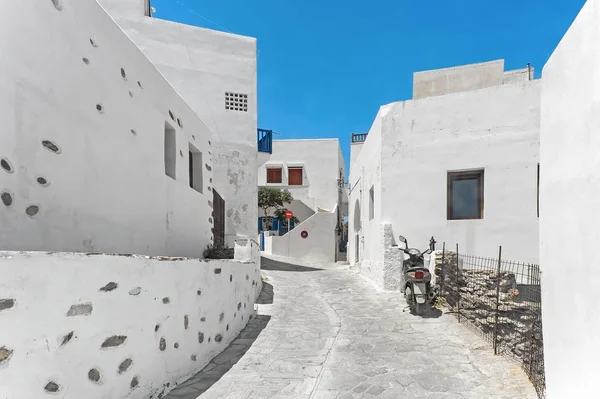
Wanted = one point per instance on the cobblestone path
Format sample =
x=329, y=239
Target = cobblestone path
x=322, y=332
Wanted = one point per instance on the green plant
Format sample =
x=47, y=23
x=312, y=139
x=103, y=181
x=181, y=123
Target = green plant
x=212, y=252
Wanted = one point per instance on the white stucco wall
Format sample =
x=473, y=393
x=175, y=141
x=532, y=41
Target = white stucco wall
x=569, y=192
x=319, y=245
x=106, y=191
x=168, y=317
x=321, y=160
x=203, y=64
x=496, y=129
x=365, y=173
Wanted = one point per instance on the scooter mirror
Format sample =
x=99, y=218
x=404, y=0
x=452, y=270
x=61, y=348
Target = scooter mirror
x=402, y=239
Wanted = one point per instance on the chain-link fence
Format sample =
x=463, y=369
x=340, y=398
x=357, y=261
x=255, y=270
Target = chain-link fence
x=501, y=299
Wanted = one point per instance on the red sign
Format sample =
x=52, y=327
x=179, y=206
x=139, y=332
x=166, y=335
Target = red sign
x=289, y=214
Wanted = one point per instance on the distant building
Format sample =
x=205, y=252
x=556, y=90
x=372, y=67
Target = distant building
x=458, y=162
x=313, y=171
x=215, y=73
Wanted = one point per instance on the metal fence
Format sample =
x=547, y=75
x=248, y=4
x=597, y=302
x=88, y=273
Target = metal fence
x=501, y=299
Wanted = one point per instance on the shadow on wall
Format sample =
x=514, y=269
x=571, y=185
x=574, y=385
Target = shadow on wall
x=221, y=364
x=266, y=294
x=270, y=264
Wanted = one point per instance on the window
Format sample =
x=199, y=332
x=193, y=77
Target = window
x=538, y=190
x=372, y=203
x=236, y=102
x=195, y=162
x=295, y=176
x=170, y=151
x=273, y=175
x=465, y=195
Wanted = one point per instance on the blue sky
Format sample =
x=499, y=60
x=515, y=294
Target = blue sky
x=325, y=67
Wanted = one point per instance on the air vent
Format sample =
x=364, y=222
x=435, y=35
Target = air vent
x=236, y=102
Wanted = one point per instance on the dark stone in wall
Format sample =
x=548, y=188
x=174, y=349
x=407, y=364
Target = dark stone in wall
x=109, y=287
x=52, y=387
x=51, y=146
x=176, y=345
x=200, y=337
x=6, y=198
x=32, y=210
x=166, y=300
x=113, y=341
x=135, y=291
x=186, y=321
x=163, y=344
x=94, y=375
x=203, y=319
x=134, y=382
x=124, y=366
x=221, y=316
x=218, y=338
x=82, y=309
x=208, y=167
x=227, y=328
x=239, y=306
x=193, y=357
x=218, y=270
x=67, y=338
x=230, y=277
x=5, y=354
x=199, y=292
x=6, y=303
x=156, y=327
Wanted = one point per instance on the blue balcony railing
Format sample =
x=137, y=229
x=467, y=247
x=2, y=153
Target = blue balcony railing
x=265, y=140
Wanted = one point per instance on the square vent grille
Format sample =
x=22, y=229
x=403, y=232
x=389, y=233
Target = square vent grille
x=236, y=102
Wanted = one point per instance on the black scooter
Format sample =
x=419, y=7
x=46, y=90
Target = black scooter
x=416, y=279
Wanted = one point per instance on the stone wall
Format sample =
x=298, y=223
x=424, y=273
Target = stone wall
x=473, y=292
x=114, y=326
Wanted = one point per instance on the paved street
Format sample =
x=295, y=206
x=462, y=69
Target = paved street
x=322, y=332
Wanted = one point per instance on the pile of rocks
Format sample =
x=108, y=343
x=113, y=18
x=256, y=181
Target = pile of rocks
x=476, y=295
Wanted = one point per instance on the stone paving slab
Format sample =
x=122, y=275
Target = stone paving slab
x=322, y=332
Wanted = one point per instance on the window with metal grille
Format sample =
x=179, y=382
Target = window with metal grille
x=295, y=176
x=465, y=195
x=236, y=102
x=273, y=175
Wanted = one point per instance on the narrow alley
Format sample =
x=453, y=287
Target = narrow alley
x=322, y=332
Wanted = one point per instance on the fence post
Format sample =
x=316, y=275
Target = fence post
x=442, y=273
x=458, y=282
x=497, y=300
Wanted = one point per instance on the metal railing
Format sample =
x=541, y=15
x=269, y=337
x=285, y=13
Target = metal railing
x=500, y=299
x=359, y=137
x=265, y=140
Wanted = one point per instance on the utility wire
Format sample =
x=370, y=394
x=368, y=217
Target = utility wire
x=203, y=17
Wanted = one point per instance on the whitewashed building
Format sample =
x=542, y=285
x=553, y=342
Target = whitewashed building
x=215, y=73
x=313, y=171
x=458, y=162
x=106, y=195
x=569, y=211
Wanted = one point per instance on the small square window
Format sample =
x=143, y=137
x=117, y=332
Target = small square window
x=273, y=175
x=465, y=195
x=295, y=176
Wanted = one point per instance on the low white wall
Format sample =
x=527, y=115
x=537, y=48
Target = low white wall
x=76, y=80
x=319, y=245
x=569, y=212
x=137, y=325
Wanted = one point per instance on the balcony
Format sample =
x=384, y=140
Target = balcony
x=359, y=137
x=265, y=140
